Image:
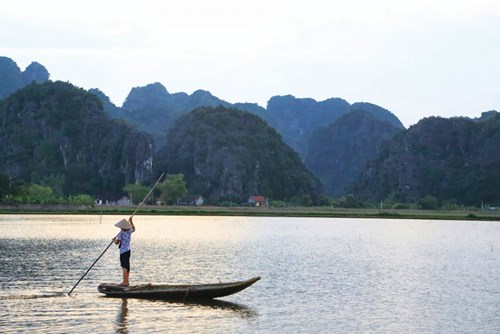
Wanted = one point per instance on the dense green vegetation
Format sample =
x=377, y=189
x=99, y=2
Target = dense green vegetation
x=61, y=144
x=58, y=136
x=340, y=151
x=297, y=119
x=153, y=109
x=37, y=194
x=456, y=161
x=135, y=192
x=173, y=188
x=228, y=155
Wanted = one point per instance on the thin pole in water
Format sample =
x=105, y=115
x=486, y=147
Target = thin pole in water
x=69, y=293
x=149, y=193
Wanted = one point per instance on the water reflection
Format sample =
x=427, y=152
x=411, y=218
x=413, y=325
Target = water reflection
x=322, y=275
x=210, y=304
x=192, y=307
x=242, y=310
x=122, y=318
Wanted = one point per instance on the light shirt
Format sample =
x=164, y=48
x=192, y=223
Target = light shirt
x=124, y=238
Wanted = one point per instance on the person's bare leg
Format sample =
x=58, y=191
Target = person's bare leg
x=125, y=276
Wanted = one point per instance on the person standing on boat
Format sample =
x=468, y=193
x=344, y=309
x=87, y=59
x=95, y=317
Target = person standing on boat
x=123, y=240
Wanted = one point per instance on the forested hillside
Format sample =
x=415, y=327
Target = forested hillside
x=340, y=151
x=297, y=118
x=60, y=136
x=455, y=160
x=153, y=109
x=57, y=135
x=229, y=154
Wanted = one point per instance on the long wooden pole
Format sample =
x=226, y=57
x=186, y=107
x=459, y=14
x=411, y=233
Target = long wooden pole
x=69, y=293
x=149, y=193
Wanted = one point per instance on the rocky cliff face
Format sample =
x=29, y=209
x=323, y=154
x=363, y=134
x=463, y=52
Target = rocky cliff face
x=226, y=153
x=379, y=113
x=110, y=108
x=12, y=78
x=154, y=110
x=58, y=135
x=455, y=159
x=35, y=72
x=297, y=118
x=340, y=151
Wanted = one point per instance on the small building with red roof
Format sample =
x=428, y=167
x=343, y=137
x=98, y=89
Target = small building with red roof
x=257, y=200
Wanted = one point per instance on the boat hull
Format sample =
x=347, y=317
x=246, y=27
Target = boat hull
x=175, y=292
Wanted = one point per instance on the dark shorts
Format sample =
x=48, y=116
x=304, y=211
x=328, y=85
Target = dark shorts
x=125, y=260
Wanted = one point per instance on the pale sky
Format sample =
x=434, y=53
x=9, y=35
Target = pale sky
x=417, y=58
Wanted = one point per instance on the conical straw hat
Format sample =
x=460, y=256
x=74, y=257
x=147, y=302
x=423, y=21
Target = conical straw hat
x=124, y=224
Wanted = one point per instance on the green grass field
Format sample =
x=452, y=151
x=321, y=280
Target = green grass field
x=263, y=212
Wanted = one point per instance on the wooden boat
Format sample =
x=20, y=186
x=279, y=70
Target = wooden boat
x=175, y=291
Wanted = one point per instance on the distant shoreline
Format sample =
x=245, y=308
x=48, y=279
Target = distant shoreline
x=312, y=212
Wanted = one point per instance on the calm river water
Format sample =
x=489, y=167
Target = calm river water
x=318, y=275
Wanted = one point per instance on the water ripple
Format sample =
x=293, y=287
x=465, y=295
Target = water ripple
x=318, y=275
